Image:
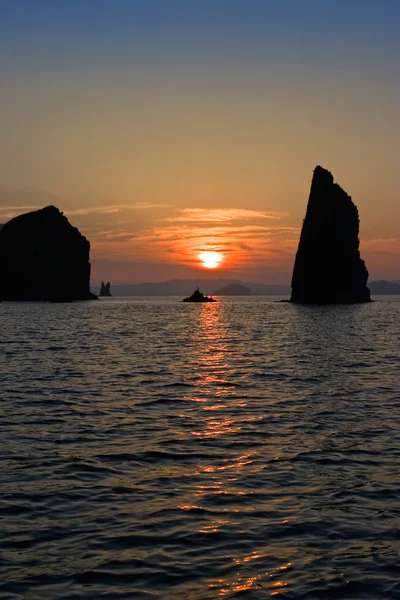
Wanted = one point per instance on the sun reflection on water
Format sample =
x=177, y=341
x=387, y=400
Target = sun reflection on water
x=264, y=580
x=219, y=489
x=213, y=372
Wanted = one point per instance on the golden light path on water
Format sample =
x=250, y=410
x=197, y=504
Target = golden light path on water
x=213, y=341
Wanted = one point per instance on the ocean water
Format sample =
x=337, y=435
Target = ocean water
x=242, y=449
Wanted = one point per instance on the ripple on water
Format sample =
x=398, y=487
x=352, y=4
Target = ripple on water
x=150, y=449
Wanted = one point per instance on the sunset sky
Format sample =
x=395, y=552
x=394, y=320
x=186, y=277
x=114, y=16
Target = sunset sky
x=166, y=128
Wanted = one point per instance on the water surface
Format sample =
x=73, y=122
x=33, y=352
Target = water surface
x=154, y=449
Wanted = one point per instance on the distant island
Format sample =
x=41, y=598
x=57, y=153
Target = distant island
x=179, y=287
x=386, y=288
x=197, y=296
x=328, y=268
x=233, y=289
x=44, y=258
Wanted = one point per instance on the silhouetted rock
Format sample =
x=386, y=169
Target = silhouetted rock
x=328, y=268
x=197, y=296
x=105, y=289
x=234, y=289
x=43, y=257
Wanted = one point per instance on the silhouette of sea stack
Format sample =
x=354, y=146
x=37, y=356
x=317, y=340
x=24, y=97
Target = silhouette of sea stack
x=105, y=289
x=197, y=296
x=328, y=268
x=43, y=257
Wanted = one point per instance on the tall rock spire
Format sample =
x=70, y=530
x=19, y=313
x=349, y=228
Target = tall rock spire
x=328, y=268
x=105, y=289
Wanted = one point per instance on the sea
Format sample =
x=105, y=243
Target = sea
x=156, y=449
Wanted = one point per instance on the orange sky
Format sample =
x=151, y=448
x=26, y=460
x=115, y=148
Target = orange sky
x=164, y=135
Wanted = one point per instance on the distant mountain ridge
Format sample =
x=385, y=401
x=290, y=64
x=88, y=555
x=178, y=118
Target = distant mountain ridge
x=384, y=288
x=234, y=289
x=183, y=287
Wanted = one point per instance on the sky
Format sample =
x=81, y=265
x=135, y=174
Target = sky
x=166, y=128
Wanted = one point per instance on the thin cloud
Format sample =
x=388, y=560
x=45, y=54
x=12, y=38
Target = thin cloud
x=382, y=251
x=220, y=215
x=382, y=245
x=2, y=208
x=245, y=237
x=145, y=205
x=9, y=212
x=113, y=208
x=73, y=212
x=239, y=242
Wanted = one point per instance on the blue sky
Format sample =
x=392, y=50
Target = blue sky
x=245, y=29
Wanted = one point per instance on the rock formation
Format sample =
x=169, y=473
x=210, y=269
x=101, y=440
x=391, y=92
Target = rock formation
x=105, y=289
x=43, y=257
x=328, y=268
x=197, y=296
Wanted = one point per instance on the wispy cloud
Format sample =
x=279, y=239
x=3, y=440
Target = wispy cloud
x=241, y=235
x=389, y=245
x=146, y=205
x=163, y=233
x=95, y=210
x=9, y=212
x=113, y=208
x=220, y=215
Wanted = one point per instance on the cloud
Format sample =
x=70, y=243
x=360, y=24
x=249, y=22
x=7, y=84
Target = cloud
x=220, y=215
x=163, y=233
x=113, y=208
x=382, y=246
x=146, y=205
x=9, y=212
x=94, y=210
x=241, y=235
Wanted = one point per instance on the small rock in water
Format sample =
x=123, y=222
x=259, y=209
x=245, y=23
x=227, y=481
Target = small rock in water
x=105, y=289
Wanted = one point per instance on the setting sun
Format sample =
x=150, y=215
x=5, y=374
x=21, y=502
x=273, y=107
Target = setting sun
x=210, y=259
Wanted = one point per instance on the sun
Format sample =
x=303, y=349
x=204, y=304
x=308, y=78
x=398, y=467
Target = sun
x=210, y=260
